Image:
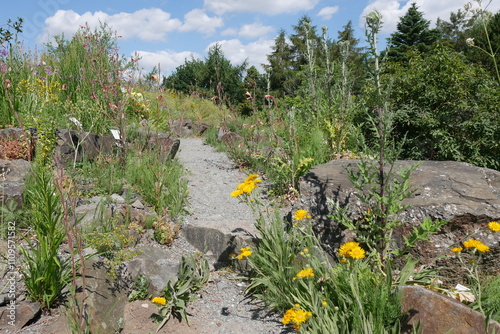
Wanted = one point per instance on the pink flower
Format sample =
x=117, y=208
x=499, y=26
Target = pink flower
x=214, y=98
x=269, y=96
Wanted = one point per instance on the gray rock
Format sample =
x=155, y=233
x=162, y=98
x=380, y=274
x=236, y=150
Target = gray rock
x=438, y=313
x=444, y=190
x=117, y=199
x=13, y=174
x=156, y=263
x=75, y=146
x=187, y=128
x=137, y=205
x=105, y=297
x=15, y=316
x=465, y=195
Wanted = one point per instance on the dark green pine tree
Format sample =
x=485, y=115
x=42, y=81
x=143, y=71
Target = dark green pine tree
x=283, y=80
x=412, y=33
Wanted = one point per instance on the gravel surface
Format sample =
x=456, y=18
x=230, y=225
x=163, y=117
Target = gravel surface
x=212, y=177
x=221, y=307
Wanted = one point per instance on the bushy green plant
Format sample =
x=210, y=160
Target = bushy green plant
x=291, y=272
x=159, y=181
x=139, y=289
x=45, y=272
x=193, y=273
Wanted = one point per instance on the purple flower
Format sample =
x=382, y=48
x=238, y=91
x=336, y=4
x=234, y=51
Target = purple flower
x=48, y=71
x=4, y=53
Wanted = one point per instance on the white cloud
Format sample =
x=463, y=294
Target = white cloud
x=392, y=10
x=237, y=52
x=229, y=32
x=251, y=31
x=198, y=20
x=146, y=24
x=326, y=13
x=167, y=59
x=255, y=30
x=270, y=7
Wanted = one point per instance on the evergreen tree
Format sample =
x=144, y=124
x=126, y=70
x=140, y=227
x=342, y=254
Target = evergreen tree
x=282, y=79
x=412, y=33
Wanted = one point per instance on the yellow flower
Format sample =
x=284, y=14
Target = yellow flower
x=297, y=316
x=237, y=193
x=301, y=214
x=457, y=249
x=494, y=226
x=305, y=273
x=472, y=243
x=246, y=186
x=244, y=252
x=159, y=300
x=346, y=248
x=357, y=253
x=482, y=248
x=324, y=303
x=351, y=249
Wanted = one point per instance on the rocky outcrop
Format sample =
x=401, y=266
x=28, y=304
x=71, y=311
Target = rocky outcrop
x=466, y=196
x=77, y=146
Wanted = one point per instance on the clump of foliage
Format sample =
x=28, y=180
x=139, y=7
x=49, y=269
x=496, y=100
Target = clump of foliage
x=193, y=273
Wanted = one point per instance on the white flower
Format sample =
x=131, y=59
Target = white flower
x=470, y=41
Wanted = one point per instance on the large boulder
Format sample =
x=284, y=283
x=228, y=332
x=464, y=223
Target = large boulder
x=466, y=196
x=75, y=146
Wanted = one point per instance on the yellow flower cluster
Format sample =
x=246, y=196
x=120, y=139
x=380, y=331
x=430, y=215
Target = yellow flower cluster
x=472, y=243
x=494, y=226
x=296, y=316
x=304, y=273
x=244, y=252
x=159, y=300
x=457, y=249
x=246, y=186
x=301, y=214
x=352, y=249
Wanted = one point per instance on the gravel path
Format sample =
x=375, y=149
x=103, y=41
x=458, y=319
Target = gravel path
x=221, y=307
x=212, y=177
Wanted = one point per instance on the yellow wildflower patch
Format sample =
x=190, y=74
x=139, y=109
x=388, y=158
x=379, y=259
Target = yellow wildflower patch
x=457, y=249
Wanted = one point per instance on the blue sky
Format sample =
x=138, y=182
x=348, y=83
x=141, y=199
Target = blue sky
x=169, y=31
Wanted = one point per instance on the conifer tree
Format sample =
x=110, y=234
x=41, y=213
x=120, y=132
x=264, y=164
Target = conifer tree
x=412, y=33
